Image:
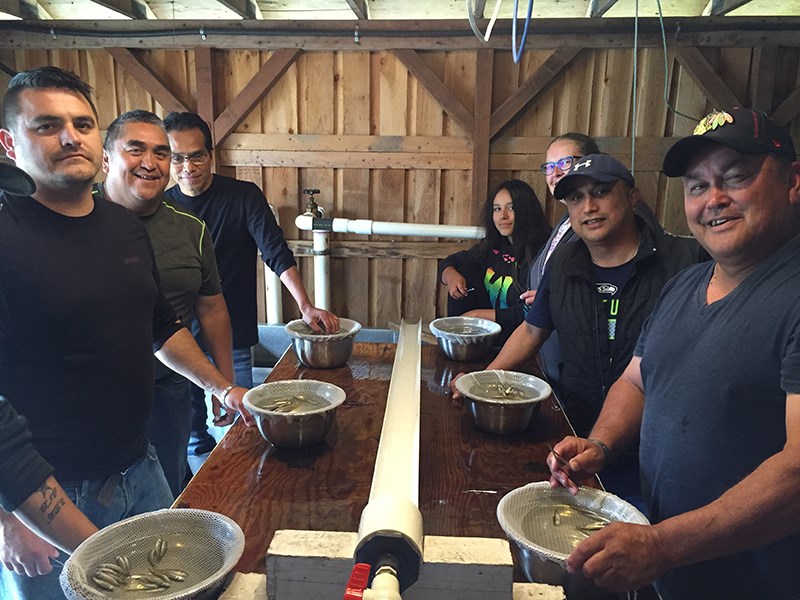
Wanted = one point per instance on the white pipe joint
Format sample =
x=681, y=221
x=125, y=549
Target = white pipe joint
x=385, y=586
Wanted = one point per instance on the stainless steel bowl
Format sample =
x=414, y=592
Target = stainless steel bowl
x=541, y=547
x=502, y=415
x=323, y=351
x=465, y=339
x=294, y=429
x=203, y=545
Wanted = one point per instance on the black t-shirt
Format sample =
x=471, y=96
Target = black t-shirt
x=241, y=223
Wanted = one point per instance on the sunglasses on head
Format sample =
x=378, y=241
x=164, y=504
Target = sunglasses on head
x=563, y=164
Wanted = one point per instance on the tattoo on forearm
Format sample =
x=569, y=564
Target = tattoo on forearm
x=51, y=502
x=56, y=509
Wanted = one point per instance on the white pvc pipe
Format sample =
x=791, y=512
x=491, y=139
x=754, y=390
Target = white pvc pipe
x=322, y=261
x=393, y=507
x=369, y=227
x=385, y=586
x=272, y=283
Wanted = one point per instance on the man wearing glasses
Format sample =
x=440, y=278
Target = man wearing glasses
x=241, y=223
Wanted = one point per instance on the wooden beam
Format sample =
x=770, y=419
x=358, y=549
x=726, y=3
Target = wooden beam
x=390, y=35
x=203, y=73
x=718, y=8
x=247, y=9
x=597, y=8
x=133, y=9
x=255, y=90
x=545, y=74
x=151, y=82
x=436, y=87
x=706, y=77
x=359, y=7
x=484, y=83
x=788, y=109
x=480, y=9
x=345, y=160
x=762, y=77
x=24, y=9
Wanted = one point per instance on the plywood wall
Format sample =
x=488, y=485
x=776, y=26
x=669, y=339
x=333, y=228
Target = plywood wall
x=373, y=139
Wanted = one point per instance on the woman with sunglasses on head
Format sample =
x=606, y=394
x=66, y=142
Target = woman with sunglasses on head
x=486, y=281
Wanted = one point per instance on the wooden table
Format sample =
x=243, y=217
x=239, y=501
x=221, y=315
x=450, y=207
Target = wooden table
x=463, y=471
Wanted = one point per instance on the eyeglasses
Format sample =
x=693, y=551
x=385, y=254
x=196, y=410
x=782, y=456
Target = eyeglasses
x=563, y=164
x=198, y=158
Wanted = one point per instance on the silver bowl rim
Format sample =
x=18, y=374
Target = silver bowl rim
x=339, y=396
x=461, y=386
x=347, y=328
x=558, y=493
x=236, y=546
x=491, y=329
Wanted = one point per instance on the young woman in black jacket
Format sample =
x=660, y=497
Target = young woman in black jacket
x=486, y=281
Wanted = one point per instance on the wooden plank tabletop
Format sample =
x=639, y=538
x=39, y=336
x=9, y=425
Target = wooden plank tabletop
x=463, y=471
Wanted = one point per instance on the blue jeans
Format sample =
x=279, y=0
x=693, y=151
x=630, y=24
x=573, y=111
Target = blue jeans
x=141, y=488
x=243, y=373
x=169, y=427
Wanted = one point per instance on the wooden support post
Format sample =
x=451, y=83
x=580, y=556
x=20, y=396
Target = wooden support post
x=203, y=73
x=151, y=82
x=484, y=82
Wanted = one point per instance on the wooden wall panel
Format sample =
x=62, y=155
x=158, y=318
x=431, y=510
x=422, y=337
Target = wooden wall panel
x=359, y=127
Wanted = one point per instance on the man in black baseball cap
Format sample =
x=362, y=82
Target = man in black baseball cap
x=713, y=390
x=745, y=130
x=599, y=167
x=15, y=181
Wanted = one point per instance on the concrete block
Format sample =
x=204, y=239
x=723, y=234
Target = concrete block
x=315, y=565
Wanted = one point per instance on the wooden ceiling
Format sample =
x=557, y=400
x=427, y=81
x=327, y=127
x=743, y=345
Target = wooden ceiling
x=377, y=10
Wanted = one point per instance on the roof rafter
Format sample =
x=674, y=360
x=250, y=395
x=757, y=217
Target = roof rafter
x=718, y=8
x=360, y=8
x=133, y=9
x=24, y=9
x=597, y=8
x=247, y=9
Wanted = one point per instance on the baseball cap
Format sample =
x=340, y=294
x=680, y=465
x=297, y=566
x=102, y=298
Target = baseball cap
x=600, y=167
x=745, y=130
x=15, y=181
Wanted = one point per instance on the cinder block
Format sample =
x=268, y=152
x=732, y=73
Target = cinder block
x=315, y=565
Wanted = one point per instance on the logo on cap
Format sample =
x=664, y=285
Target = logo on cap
x=712, y=121
x=587, y=163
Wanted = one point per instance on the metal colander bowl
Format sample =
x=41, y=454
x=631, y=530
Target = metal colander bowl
x=465, y=339
x=541, y=547
x=203, y=544
x=502, y=415
x=299, y=429
x=323, y=351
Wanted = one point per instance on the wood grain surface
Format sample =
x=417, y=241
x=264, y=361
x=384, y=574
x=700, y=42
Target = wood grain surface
x=463, y=471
